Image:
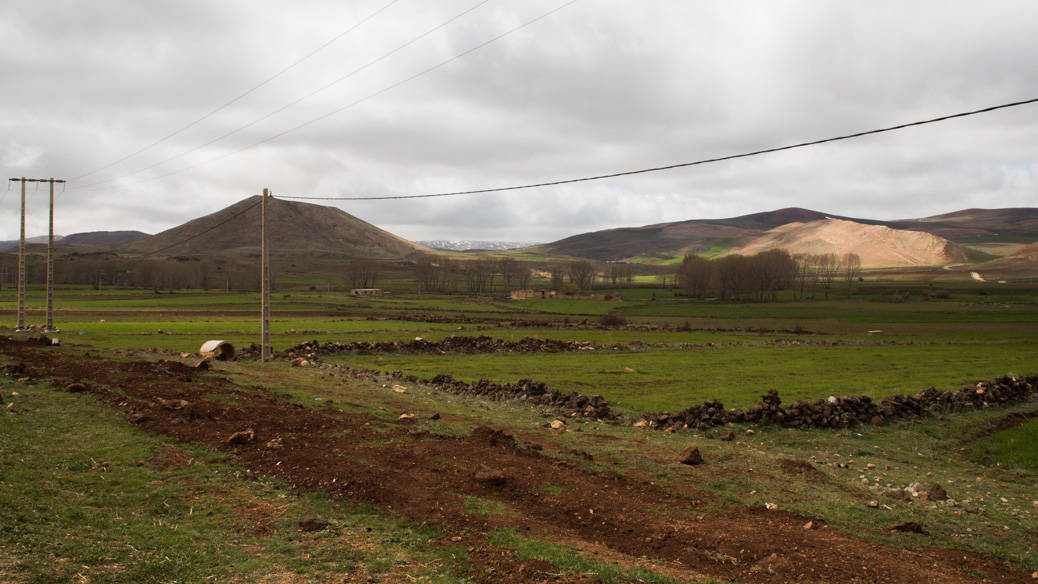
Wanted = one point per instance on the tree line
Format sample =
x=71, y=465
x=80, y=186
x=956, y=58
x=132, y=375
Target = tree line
x=762, y=276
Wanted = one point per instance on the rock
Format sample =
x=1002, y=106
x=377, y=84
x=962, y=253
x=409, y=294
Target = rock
x=491, y=476
x=728, y=436
x=138, y=417
x=937, y=493
x=399, y=389
x=75, y=387
x=173, y=404
x=274, y=442
x=557, y=425
x=872, y=504
x=641, y=424
x=203, y=365
x=242, y=437
x=908, y=527
x=809, y=525
x=691, y=456
x=406, y=417
x=771, y=506
x=299, y=362
x=11, y=408
x=898, y=494
x=435, y=416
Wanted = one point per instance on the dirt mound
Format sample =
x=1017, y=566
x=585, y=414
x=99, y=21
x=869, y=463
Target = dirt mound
x=877, y=246
x=429, y=478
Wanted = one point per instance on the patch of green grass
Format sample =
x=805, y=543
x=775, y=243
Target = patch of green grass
x=571, y=561
x=481, y=506
x=84, y=495
x=1015, y=447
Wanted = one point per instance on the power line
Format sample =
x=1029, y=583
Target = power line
x=386, y=89
x=669, y=166
x=297, y=100
x=243, y=95
x=205, y=231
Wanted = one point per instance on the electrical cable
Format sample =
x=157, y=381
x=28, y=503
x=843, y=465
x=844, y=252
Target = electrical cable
x=243, y=95
x=296, y=101
x=207, y=230
x=356, y=102
x=669, y=166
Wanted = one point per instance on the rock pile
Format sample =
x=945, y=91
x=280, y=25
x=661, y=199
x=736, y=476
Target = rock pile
x=844, y=412
x=529, y=391
x=456, y=344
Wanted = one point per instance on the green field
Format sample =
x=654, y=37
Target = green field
x=687, y=350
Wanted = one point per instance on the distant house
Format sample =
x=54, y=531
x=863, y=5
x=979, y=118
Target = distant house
x=531, y=294
x=366, y=292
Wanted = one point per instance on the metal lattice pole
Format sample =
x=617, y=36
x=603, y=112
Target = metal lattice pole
x=50, y=263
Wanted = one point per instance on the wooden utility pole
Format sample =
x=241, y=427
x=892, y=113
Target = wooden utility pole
x=50, y=257
x=21, y=262
x=264, y=281
x=50, y=262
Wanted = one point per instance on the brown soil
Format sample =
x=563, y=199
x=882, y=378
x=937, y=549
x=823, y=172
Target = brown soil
x=424, y=478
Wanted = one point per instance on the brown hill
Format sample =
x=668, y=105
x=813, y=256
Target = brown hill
x=315, y=230
x=878, y=246
x=104, y=238
x=1023, y=262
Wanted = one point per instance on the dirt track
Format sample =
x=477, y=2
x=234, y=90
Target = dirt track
x=424, y=477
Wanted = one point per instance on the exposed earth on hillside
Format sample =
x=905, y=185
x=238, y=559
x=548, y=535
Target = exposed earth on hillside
x=876, y=245
x=425, y=477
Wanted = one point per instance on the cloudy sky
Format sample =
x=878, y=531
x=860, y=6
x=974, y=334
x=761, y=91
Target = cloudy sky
x=124, y=99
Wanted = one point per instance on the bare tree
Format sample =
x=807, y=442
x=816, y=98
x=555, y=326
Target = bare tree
x=695, y=276
x=827, y=266
x=362, y=272
x=851, y=269
x=558, y=276
x=582, y=275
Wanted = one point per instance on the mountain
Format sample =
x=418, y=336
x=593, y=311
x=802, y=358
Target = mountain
x=985, y=231
x=878, y=246
x=467, y=245
x=104, y=238
x=13, y=244
x=1023, y=261
x=294, y=228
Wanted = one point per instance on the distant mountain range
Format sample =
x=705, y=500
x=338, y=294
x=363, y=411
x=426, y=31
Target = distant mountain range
x=467, y=245
x=982, y=231
x=305, y=234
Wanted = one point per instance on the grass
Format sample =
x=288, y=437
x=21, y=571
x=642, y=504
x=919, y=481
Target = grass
x=1015, y=447
x=653, y=380
x=83, y=495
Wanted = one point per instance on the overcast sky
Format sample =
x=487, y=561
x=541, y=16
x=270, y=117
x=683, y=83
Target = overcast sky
x=598, y=86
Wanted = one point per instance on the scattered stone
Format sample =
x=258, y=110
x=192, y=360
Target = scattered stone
x=641, y=424
x=399, y=389
x=435, y=416
x=937, y=493
x=557, y=425
x=75, y=387
x=173, y=404
x=311, y=525
x=771, y=506
x=898, y=494
x=406, y=417
x=809, y=525
x=138, y=417
x=872, y=504
x=491, y=476
x=12, y=408
x=274, y=442
x=242, y=437
x=728, y=436
x=908, y=527
x=691, y=456
x=299, y=362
